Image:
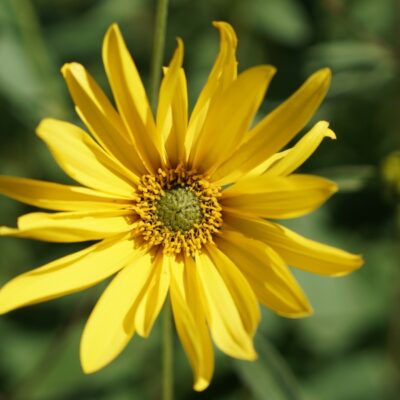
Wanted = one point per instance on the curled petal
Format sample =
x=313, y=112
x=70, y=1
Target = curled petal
x=276, y=129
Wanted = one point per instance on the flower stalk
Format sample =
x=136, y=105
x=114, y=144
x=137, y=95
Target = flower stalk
x=158, y=50
x=168, y=339
x=155, y=77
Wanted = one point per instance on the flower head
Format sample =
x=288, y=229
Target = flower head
x=180, y=207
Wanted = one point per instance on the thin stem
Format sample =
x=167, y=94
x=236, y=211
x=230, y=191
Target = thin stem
x=158, y=50
x=155, y=76
x=168, y=377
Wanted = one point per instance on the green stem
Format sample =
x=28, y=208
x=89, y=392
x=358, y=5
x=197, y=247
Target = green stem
x=158, y=50
x=168, y=378
x=155, y=76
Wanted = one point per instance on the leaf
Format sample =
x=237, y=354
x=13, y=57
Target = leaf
x=282, y=20
x=361, y=375
x=357, y=66
x=350, y=178
x=269, y=377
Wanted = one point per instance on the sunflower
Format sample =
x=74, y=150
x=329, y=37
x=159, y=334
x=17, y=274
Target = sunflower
x=178, y=206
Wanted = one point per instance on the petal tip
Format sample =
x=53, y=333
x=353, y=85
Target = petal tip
x=221, y=24
x=41, y=125
x=251, y=355
x=86, y=370
x=88, y=364
x=330, y=134
x=226, y=31
x=307, y=311
x=322, y=77
x=327, y=72
x=358, y=261
x=64, y=69
x=113, y=31
x=72, y=68
x=334, y=188
x=326, y=75
x=201, y=384
x=114, y=27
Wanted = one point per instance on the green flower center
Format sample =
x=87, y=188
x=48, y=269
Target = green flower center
x=179, y=209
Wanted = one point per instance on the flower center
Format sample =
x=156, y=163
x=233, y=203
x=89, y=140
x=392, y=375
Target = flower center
x=178, y=210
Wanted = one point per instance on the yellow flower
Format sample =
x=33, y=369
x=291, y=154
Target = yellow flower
x=180, y=206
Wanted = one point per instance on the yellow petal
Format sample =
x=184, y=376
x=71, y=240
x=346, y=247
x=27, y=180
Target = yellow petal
x=223, y=317
x=105, y=334
x=229, y=117
x=71, y=226
x=190, y=321
x=303, y=149
x=297, y=250
x=277, y=197
x=100, y=117
x=168, y=91
x=178, y=122
x=55, y=196
x=130, y=97
x=269, y=277
x=266, y=165
x=83, y=160
x=276, y=129
x=240, y=290
x=154, y=296
x=68, y=274
x=221, y=76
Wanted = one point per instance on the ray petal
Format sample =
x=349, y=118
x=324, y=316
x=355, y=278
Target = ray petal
x=190, y=321
x=229, y=117
x=55, y=196
x=84, y=160
x=68, y=274
x=78, y=226
x=296, y=250
x=302, y=150
x=177, y=123
x=277, y=197
x=240, y=290
x=106, y=333
x=223, y=317
x=276, y=129
x=169, y=93
x=269, y=277
x=100, y=117
x=154, y=297
x=130, y=97
x=222, y=74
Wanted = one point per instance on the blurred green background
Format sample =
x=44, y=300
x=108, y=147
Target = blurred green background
x=350, y=348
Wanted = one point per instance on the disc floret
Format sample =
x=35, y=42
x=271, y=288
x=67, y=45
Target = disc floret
x=179, y=210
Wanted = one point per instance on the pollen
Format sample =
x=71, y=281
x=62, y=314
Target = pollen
x=179, y=210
